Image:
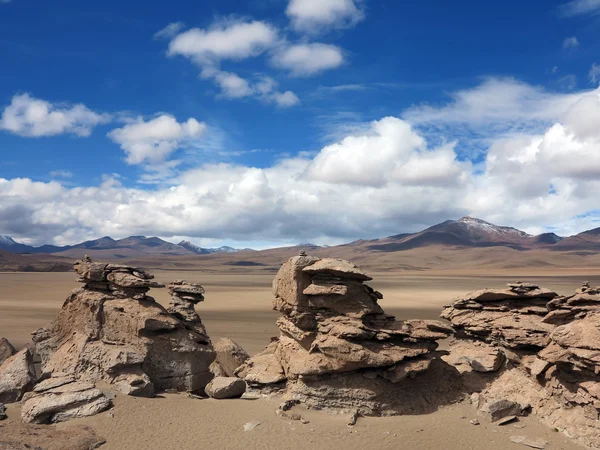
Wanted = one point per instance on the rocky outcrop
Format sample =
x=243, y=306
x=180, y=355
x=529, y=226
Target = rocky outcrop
x=111, y=330
x=17, y=376
x=6, y=350
x=225, y=387
x=510, y=318
x=554, y=370
x=60, y=399
x=337, y=348
x=229, y=357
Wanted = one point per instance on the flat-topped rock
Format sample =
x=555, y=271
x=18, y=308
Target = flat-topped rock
x=183, y=287
x=337, y=267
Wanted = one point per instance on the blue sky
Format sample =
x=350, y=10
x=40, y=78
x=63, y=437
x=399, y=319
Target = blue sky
x=271, y=122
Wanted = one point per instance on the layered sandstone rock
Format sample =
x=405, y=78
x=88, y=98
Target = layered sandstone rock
x=111, y=330
x=510, y=318
x=62, y=398
x=338, y=348
x=563, y=310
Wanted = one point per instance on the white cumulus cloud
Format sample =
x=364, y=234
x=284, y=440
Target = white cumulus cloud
x=225, y=40
x=154, y=140
x=308, y=59
x=316, y=15
x=31, y=117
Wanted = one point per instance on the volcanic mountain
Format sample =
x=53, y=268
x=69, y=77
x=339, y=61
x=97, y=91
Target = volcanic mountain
x=465, y=232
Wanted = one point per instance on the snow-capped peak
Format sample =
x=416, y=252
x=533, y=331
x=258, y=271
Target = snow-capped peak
x=473, y=222
x=7, y=240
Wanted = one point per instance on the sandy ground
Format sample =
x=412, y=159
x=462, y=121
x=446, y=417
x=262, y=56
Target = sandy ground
x=239, y=306
x=176, y=421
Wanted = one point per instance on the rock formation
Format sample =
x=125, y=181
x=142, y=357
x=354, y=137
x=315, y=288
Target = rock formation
x=17, y=376
x=338, y=348
x=553, y=369
x=111, y=330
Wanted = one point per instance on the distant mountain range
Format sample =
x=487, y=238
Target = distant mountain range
x=467, y=232
x=108, y=247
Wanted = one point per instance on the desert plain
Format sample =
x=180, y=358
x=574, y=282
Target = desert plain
x=239, y=306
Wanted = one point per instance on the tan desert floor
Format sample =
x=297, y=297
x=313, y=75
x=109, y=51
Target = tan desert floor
x=239, y=306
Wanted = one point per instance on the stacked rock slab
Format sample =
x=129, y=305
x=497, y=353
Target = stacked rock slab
x=555, y=369
x=337, y=347
x=111, y=330
x=586, y=300
x=184, y=297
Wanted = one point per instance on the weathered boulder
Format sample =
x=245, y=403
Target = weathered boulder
x=112, y=331
x=334, y=334
x=225, y=387
x=60, y=399
x=229, y=356
x=499, y=409
x=6, y=350
x=511, y=318
x=473, y=355
x=17, y=376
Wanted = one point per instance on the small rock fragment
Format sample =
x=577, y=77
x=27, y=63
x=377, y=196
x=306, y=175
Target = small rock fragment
x=533, y=443
x=506, y=420
x=474, y=422
x=353, y=418
x=249, y=426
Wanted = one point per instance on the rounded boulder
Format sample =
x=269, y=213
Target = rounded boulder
x=225, y=387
